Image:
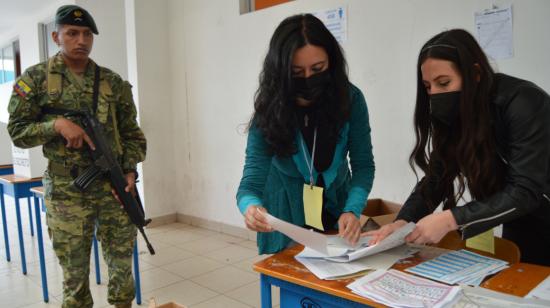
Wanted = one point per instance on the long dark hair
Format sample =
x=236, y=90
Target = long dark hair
x=274, y=103
x=467, y=150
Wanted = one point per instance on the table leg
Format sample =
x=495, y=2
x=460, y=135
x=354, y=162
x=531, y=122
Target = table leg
x=41, y=249
x=20, y=233
x=96, y=261
x=30, y=215
x=265, y=290
x=5, y=224
x=137, y=279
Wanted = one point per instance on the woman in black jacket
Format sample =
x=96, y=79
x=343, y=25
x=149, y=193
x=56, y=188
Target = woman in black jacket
x=485, y=132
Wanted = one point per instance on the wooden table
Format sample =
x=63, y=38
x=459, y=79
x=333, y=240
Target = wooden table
x=17, y=187
x=518, y=279
x=301, y=288
x=6, y=169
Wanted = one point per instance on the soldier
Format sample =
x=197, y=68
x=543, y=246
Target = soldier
x=66, y=81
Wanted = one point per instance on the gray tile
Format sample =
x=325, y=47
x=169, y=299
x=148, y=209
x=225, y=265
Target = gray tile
x=166, y=255
x=184, y=292
x=193, y=266
x=225, y=279
x=250, y=294
x=231, y=254
x=220, y=302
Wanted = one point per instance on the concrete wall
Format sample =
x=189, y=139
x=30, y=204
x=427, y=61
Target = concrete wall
x=223, y=51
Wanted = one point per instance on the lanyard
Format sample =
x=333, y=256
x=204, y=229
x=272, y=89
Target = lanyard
x=310, y=166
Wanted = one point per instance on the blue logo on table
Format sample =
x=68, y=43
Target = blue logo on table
x=307, y=302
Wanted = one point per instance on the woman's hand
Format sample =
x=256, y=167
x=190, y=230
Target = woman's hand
x=255, y=220
x=432, y=228
x=384, y=231
x=349, y=228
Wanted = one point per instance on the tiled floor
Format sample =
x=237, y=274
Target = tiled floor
x=196, y=267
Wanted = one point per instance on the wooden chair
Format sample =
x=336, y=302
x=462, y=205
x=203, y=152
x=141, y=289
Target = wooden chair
x=504, y=249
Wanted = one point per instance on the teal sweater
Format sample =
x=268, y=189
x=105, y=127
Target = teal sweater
x=276, y=183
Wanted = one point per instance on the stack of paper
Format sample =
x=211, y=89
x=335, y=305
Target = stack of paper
x=481, y=297
x=322, y=252
x=398, y=289
x=330, y=270
x=541, y=291
x=322, y=246
x=461, y=266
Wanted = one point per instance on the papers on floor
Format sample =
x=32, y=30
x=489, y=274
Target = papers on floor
x=398, y=289
x=329, y=270
x=481, y=297
x=542, y=291
x=461, y=266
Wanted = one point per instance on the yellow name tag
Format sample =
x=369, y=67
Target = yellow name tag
x=313, y=206
x=484, y=242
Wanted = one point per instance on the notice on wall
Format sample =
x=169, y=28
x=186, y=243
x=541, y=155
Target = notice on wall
x=494, y=32
x=336, y=22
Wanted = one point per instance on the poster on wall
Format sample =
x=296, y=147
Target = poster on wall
x=494, y=32
x=336, y=22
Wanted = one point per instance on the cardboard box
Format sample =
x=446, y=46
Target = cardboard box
x=377, y=213
x=153, y=304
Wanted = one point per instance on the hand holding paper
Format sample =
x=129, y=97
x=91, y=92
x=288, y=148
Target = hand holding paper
x=318, y=245
x=255, y=220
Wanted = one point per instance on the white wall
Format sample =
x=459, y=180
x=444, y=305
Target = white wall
x=109, y=48
x=27, y=31
x=149, y=72
x=221, y=53
x=5, y=147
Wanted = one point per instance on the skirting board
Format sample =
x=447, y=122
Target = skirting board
x=217, y=226
x=162, y=220
x=203, y=223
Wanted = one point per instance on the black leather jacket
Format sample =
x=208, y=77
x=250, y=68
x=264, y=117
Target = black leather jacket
x=521, y=113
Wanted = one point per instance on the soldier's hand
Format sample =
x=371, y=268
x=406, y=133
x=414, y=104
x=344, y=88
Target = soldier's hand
x=73, y=133
x=131, y=187
x=131, y=180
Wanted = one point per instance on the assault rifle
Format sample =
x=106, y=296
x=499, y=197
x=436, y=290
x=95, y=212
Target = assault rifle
x=105, y=163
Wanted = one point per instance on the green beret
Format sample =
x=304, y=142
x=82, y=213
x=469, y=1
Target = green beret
x=76, y=16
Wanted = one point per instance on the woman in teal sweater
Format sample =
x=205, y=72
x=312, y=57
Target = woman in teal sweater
x=308, y=118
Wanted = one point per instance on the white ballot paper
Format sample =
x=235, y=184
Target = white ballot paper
x=326, y=269
x=333, y=248
x=481, y=297
x=397, y=289
x=542, y=291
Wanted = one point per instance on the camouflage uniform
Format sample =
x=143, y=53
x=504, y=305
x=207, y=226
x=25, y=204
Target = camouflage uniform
x=71, y=214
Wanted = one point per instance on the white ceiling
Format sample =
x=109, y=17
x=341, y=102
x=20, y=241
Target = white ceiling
x=13, y=10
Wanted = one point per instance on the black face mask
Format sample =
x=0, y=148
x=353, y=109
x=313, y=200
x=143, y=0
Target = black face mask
x=311, y=88
x=445, y=107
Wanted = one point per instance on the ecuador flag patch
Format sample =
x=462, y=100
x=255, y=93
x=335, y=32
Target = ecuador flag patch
x=22, y=88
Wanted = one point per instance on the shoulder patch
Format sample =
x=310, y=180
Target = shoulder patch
x=22, y=88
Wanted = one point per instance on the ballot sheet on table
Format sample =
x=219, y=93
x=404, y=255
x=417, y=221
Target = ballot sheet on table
x=397, y=289
x=460, y=266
